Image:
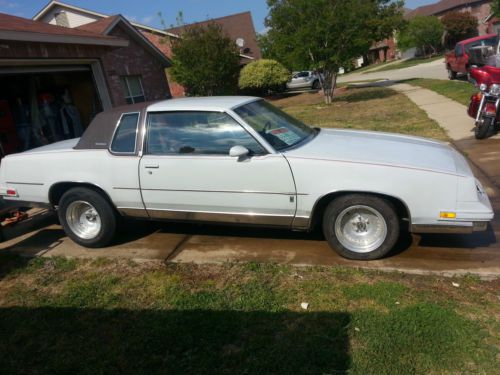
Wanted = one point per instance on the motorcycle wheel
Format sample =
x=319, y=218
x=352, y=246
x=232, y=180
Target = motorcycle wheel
x=484, y=127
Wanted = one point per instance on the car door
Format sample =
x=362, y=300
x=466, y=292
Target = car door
x=459, y=63
x=186, y=172
x=299, y=80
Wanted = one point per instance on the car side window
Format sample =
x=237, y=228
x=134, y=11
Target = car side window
x=196, y=133
x=124, y=140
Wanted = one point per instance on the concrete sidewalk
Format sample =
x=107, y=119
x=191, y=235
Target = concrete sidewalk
x=449, y=114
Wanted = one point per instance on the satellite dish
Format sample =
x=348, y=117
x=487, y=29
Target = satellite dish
x=240, y=42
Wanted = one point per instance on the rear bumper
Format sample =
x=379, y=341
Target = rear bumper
x=465, y=228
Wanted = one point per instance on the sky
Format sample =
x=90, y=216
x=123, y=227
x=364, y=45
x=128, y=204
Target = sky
x=146, y=11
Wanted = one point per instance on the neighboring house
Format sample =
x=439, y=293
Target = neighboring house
x=481, y=9
x=239, y=27
x=383, y=51
x=54, y=79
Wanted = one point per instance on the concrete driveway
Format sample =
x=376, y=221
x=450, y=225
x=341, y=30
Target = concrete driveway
x=435, y=70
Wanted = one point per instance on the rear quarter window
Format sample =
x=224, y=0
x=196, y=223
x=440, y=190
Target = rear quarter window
x=124, y=140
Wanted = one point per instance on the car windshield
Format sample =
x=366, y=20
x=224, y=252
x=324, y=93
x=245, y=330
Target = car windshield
x=279, y=129
x=491, y=42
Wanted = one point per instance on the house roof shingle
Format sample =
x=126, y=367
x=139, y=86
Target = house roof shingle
x=14, y=23
x=236, y=26
x=99, y=26
x=105, y=25
x=439, y=7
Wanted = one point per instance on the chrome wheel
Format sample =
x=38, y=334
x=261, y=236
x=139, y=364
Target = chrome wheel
x=360, y=229
x=83, y=219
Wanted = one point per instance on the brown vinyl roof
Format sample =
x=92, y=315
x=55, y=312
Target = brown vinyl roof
x=19, y=24
x=236, y=26
x=100, y=131
x=439, y=7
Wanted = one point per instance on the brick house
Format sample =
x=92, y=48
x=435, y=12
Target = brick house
x=481, y=9
x=55, y=79
x=238, y=26
x=384, y=50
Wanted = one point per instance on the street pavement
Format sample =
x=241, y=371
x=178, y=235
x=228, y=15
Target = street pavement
x=435, y=70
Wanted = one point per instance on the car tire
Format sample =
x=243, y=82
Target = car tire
x=451, y=74
x=87, y=217
x=316, y=85
x=361, y=226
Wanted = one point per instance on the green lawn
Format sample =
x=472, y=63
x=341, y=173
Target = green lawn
x=374, y=108
x=109, y=317
x=459, y=91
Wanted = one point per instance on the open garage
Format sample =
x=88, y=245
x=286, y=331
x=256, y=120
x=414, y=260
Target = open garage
x=54, y=80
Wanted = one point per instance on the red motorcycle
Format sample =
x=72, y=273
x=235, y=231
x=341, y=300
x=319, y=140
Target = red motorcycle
x=484, y=106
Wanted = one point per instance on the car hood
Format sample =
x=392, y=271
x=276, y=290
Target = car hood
x=386, y=149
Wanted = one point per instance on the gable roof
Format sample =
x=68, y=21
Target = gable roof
x=239, y=25
x=439, y=7
x=22, y=29
x=99, y=26
x=53, y=3
x=105, y=25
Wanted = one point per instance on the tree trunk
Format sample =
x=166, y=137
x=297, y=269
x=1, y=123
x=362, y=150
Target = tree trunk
x=328, y=83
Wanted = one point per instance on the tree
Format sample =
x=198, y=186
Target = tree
x=495, y=7
x=458, y=26
x=425, y=32
x=325, y=35
x=205, y=61
x=261, y=76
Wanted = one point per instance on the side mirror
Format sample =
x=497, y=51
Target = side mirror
x=238, y=151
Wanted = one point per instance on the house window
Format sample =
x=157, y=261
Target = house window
x=134, y=92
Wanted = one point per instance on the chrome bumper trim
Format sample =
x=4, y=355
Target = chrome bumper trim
x=477, y=226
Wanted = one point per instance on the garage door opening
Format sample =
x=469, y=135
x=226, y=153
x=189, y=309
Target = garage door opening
x=44, y=106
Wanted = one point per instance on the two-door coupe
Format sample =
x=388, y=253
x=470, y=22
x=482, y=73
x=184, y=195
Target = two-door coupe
x=241, y=160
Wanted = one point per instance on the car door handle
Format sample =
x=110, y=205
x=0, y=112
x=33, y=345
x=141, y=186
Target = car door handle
x=152, y=166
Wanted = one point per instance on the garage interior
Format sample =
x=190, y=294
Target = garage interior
x=40, y=105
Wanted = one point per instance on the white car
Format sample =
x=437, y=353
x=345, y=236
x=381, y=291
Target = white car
x=239, y=160
x=304, y=80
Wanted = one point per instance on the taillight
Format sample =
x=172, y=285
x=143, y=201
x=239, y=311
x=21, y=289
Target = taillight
x=11, y=193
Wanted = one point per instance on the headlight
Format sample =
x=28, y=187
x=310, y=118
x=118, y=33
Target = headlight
x=495, y=89
x=483, y=87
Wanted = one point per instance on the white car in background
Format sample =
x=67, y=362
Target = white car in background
x=239, y=160
x=304, y=80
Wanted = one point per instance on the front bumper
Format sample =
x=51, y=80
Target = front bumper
x=475, y=226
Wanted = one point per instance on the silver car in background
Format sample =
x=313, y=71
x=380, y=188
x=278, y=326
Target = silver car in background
x=306, y=79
